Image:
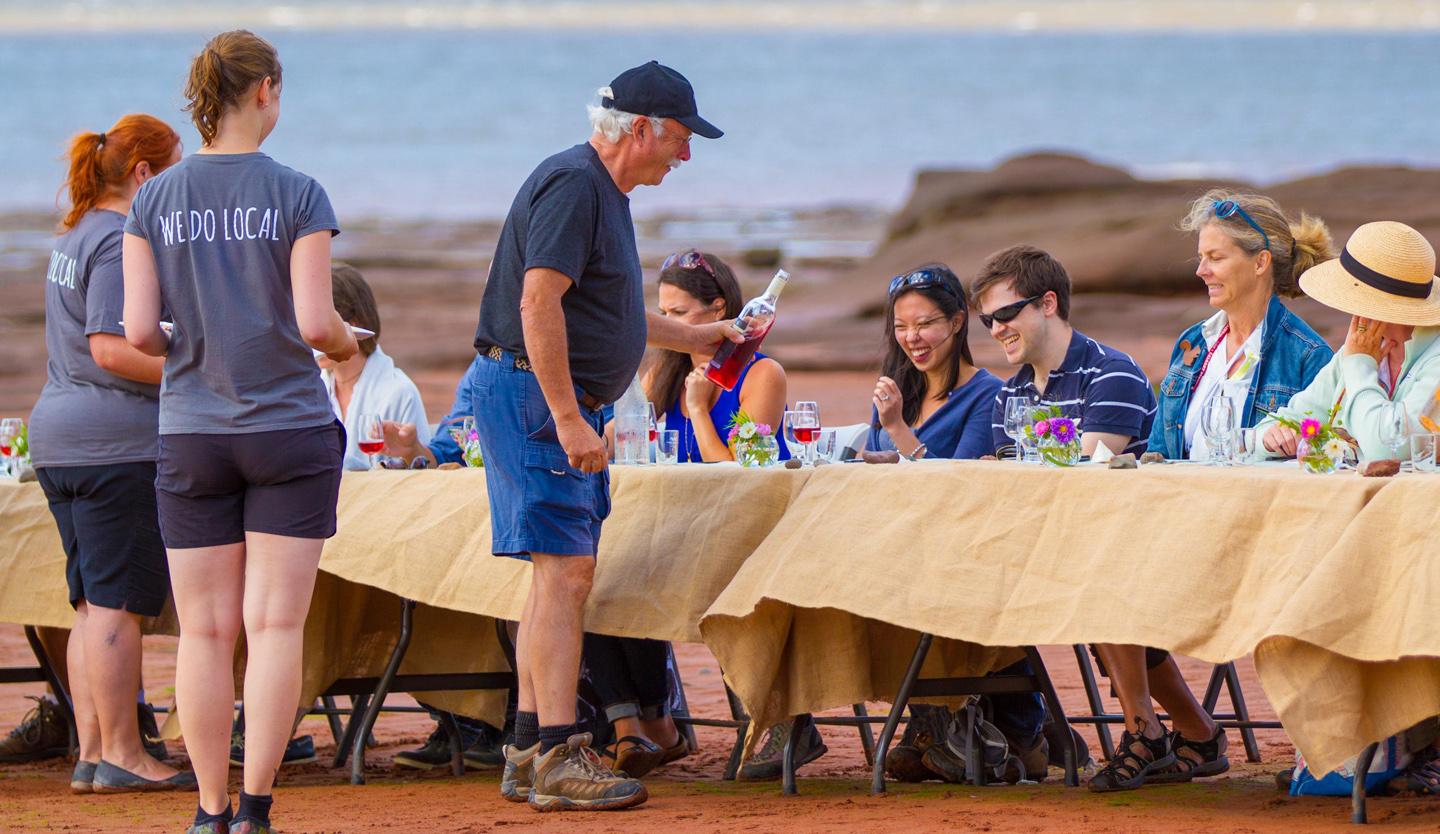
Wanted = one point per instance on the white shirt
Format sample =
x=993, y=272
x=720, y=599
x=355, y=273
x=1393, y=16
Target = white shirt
x=1236, y=386
x=383, y=390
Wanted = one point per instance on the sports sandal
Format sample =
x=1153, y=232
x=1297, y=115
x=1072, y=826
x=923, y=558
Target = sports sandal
x=639, y=758
x=1194, y=759
x=1135, y=758
x=678, y=751
x=1423, y=776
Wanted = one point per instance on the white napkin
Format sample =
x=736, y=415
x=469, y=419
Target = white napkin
x=1102, y=453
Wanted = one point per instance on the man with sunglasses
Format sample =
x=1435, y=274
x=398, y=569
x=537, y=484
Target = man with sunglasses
x=562, y=331
x=1023, y=295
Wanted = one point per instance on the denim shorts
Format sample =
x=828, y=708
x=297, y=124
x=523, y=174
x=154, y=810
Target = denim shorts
x=539, y=503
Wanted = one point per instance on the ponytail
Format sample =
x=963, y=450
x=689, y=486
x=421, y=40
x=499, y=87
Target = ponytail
x=99, y=163
x=1311, y=245
x=229, y=66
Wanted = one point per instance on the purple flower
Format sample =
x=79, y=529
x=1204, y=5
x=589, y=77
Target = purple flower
x=734, y=430
x=1063, y=429
x=474, y=436
x=1042, y=428
x=763, y=428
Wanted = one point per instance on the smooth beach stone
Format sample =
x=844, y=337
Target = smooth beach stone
x=1125, y=461
x=793, y=463
x=1152, y=457
x=890, y=456
x=450, y=465
x=1380, y=468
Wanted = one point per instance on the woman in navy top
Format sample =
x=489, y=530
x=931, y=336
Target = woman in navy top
x=930, y=394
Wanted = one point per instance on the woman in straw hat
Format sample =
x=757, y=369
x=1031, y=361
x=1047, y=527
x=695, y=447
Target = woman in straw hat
x=1385, y=279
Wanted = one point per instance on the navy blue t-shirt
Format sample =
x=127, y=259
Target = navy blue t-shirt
x=570, y=217
x=959, y=429
x=1098, y=387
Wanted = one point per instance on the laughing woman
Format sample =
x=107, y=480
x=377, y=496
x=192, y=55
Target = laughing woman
x=237, y=247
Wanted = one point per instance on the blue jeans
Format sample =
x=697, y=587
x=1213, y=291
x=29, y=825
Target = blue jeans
x=1019, y=715
x=539, y=503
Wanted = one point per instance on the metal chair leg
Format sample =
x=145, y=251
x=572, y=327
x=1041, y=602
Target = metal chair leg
x=867, y=736
x=897, y=709
x=1057, y=714
x=737, y=713
x=457, y=749
x=687, y=731
x=800, y=724
x=1357, y=793
x=1092, y=696
x=47, y=668
x=377, y=700
x=1242, y=712
x=342, y=749
x=336, y=728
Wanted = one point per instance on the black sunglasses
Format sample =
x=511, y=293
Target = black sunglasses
x=920, y=279
x=1008, y=312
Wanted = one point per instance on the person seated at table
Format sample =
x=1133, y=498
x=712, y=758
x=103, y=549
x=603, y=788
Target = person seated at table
x=368, y=383
x=930, y=396
x=697, y=287
x=1259, y=354
x=1253, y=349
x=1385, y=279
x=1023, y=298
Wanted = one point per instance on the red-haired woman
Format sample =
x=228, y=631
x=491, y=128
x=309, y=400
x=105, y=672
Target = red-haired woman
x=93, y=440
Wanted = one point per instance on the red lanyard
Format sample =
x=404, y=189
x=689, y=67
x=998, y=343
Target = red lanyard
x=1210, y=354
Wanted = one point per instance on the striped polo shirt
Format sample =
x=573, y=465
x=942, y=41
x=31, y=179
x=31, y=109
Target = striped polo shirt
x=1098, y=387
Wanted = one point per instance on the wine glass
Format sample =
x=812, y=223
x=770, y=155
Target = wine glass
x=10, y=428
x=651, y=426
x=801, y=430
x=371, y=436
x=810, y=427
x=1017, y=417
x=1395, y=428
x=825, y=445
x=1217, y=421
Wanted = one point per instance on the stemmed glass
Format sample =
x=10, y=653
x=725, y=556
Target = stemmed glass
x=1395, y=428
x=802, y=427
x=825, y=445
x=1017, y=417
x=371, y=437
x=1217, y=421
x=651, y=426
x=10, y=428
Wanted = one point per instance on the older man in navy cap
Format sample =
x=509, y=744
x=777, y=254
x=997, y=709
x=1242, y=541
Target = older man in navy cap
x=562, y=329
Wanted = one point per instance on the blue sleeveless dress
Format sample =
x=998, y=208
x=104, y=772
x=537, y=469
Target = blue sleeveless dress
x=725, y=405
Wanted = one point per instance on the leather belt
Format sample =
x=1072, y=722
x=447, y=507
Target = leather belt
x=520, y=363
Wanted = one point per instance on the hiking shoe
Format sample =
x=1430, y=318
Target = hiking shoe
x=298, y=750
x=82, y=778
x=905, y=760
x=1028, y=764
x=519, y=773
x=571, y=777
x=246, y=825
x=435, y=752
x=212, y=827
x=111, y=778
x=1135, y=758
x=42, y=734
x=150, y=732
x=768, y=762
x=947, y=756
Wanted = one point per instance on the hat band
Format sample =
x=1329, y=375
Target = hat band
x=1381, y=281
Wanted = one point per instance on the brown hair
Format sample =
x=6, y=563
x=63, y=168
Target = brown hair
x=1035, y=273
x=99, y=162
x=355, y=302
x=225, y=70
x=670, y=367
x=1294, y=247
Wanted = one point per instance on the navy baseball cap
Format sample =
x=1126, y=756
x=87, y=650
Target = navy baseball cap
x=656, y=90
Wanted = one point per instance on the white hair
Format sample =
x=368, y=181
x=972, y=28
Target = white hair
x=612, y=123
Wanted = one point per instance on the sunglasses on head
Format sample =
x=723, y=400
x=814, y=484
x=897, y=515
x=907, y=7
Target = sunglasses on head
x=920, y=279
x=689, y=259
x=1225, y=209
x=1008, y=312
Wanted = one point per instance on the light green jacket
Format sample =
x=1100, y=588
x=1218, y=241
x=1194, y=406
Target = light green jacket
x=1365, y=402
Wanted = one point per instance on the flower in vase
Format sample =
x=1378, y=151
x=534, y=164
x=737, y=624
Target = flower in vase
x=1063, y=429
x=734, y=433
x=1335, y=448
x=746, y=431
x=1310, y=428
x=1042, y=428
x=763, y=429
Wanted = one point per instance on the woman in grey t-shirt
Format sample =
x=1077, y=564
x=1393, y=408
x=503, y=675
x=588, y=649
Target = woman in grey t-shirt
x=93, y=442
x=237, y=247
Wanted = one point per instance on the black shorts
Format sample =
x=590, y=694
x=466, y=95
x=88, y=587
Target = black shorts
x=214, y=488
x=114, y=557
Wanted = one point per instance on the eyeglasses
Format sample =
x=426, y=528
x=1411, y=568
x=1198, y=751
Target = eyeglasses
x=1008, y=312
x=691, y=259
x=1225, y=209
x=921, y=278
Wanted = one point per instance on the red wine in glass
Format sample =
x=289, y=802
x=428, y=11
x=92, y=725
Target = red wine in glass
x=371, y=447
x=653, y=435
x=5, y=451
x=806, y=434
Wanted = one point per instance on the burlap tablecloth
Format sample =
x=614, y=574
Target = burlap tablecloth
x=1333, y=582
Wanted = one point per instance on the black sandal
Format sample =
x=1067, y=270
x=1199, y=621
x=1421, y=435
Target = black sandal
x=1135, y=758
x=1194, y=759
x=1423, y=776
x=641, y=757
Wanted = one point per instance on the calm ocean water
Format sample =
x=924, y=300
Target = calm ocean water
x=447, y=124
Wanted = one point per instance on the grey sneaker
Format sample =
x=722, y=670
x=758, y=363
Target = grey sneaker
x=768, y=762
x=519, y=773
x=571, y=777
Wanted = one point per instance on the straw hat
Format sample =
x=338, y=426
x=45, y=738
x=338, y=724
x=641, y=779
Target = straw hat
x=1386, y=272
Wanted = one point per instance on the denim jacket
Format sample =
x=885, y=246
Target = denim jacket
x=1291, y=354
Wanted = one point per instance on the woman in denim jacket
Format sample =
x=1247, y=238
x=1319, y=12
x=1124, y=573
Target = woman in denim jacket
x=1260, y=354
x=1249, y=255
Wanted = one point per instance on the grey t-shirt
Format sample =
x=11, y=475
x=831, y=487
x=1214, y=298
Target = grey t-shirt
x=222, y=227
x=86, y=415
x=570, y=217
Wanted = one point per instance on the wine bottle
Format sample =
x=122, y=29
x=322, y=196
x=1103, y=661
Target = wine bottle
x=754, y=321
x=1430, y=415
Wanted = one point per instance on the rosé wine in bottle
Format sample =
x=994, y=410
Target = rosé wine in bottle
x=754, y=322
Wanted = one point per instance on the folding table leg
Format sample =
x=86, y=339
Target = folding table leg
x=897, y=709
x=1242, y=712
x=1092, y=696
x=377, y=700
x=1357, y=793
x=737, y=713
x=867, y=737
x=1057, y=713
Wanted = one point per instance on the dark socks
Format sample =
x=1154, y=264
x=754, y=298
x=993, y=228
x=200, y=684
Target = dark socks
x=551, y=737
x=255, y=808
x=202, y=816
x=527, y=730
